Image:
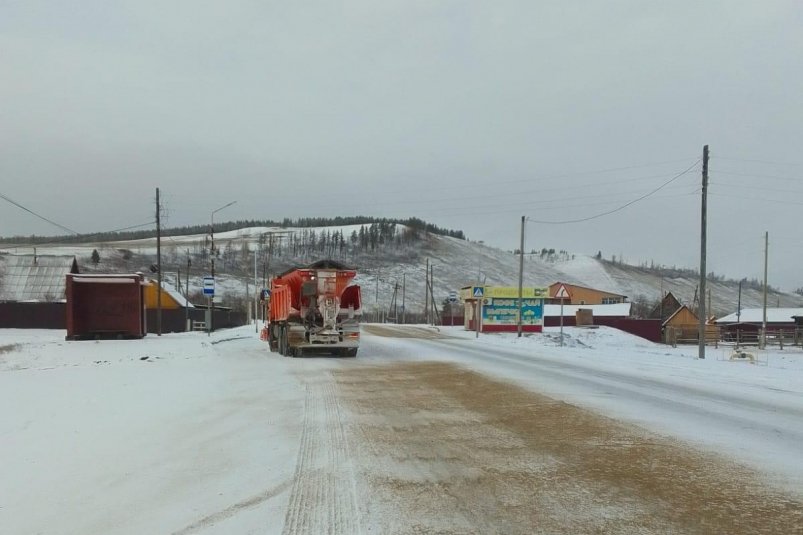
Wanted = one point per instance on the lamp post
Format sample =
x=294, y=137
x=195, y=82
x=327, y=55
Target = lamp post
x=212, y=257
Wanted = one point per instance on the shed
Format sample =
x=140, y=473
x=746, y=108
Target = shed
x=746, y=324
x=35, y=277
x=105, y=306
x=684, y=325
x=32, y=290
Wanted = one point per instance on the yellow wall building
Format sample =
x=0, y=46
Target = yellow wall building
x=171, y=299
x=580, y=295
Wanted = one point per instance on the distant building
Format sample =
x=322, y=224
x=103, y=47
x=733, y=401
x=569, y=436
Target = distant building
x=171, y=298
x=35, y=277
x=499, y=308
x=581, y=295
x=176, y=309
x=746, y=324
x=32, y=290
x=683, y=326
x=666, y=308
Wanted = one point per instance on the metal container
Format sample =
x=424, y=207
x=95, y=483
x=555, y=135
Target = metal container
x=105, y=306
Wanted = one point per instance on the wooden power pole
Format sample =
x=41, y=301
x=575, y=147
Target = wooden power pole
x=764, y=318
x=703, y=237
x=158, y=266
x=521, y=276
x=426, y=294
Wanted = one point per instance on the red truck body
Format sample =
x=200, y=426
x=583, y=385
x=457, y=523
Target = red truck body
x=315, y=308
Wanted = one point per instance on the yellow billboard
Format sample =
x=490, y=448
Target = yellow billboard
x=510, y=292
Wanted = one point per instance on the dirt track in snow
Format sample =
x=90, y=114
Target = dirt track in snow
x=434, y=448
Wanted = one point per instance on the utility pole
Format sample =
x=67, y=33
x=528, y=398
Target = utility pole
x=764, y=320
x=404, y=291
x=187, y=294
x=256, y=295
x=211, y=300
x=703, y=238
x=432, y=294
x=426, y=294
x=158, y=266
x=521, y=276
x=739, y=305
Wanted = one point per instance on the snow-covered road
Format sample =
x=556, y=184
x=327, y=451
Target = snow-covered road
x=426, y=431
x=752, y=413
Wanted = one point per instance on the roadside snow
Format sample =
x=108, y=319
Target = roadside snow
x=171, y=434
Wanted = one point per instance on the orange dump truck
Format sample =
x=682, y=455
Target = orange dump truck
x=315, y=309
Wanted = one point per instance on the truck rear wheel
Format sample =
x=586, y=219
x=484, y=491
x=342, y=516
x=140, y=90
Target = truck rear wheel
x=283, y=341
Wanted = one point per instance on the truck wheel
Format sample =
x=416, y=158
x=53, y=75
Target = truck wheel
x=285, y=345
x=298, y=352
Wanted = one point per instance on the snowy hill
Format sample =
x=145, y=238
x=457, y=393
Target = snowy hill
x=397, y=261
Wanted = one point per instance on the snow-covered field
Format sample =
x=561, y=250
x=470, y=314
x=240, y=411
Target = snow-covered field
x=142, y=436
x=187, y=433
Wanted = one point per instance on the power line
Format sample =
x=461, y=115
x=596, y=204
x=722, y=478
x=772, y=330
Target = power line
x=518, y=207
x=767, y=162
x=751, y=175
x=43, y=218
x=402, y=179
x=757, y=199
x=760, y=188
x=620, y=208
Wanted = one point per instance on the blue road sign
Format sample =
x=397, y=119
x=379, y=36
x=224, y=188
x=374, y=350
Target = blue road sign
x=478, y=291
x=209, y=286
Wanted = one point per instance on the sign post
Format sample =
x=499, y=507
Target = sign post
x=452, y=301
x=478, y=292
x=562, y=293
x=209, y=292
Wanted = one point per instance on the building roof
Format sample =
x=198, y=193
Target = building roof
x=678, y=311
x=756, y=315
x=619, y=310
x=35, y=278
x=570, y=285
x=174, y=294
x=666, y=307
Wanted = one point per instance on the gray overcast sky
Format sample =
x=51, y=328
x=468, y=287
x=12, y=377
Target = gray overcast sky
x=466, y=114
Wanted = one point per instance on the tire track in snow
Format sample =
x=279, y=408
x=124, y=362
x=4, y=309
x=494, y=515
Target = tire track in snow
x=231, y=511
x=323, y=495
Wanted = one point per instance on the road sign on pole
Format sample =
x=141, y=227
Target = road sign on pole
x=209, y=286
x=453, y=297
x=479, y=291
x=562, y=292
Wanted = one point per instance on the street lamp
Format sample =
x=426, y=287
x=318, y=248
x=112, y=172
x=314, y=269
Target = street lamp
x=212, y=233
x=212, y=257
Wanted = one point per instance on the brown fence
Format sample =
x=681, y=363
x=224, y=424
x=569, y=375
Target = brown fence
x=15, y=315
x=175, y=320
x=648, y=329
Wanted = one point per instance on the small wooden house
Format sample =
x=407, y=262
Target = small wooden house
x=684, y=326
